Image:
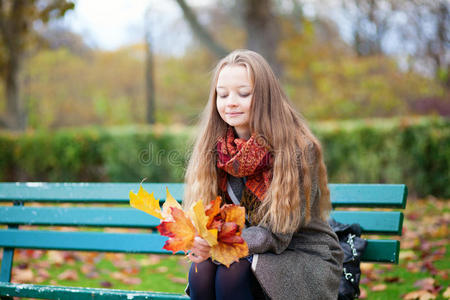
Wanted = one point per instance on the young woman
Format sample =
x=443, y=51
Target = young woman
x=255, y=150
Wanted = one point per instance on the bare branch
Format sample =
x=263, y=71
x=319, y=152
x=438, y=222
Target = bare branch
x=199, y=30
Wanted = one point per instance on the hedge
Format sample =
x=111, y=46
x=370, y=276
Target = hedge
x=414, y=151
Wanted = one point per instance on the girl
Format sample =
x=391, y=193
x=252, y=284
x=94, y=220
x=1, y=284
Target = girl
x=255, y=150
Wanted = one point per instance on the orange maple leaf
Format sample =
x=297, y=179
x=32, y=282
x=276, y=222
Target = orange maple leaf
x=181, y=231
x=231, y=246
x=212, y=210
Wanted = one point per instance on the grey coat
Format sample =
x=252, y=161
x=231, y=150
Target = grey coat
x=306, y=264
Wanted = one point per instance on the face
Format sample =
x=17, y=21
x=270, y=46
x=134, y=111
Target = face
x=234, y=97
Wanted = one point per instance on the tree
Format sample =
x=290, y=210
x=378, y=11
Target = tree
x=260, y=23
x=16, y=29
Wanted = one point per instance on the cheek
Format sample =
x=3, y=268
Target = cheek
x=219, y=107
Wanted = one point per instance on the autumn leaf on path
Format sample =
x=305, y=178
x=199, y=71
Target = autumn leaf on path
x=419, y=295
x=181, y=231
x=145, y=202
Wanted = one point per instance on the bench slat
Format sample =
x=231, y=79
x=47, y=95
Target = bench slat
x=77, y=216
x=354, y=195
x=82, y=192
x=382, y=251
x=378, y=250
x=84, y=241
x=371, y=222
x=79, y=293
x=368, y=195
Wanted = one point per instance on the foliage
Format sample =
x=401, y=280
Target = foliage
x=17, y=30
x=414, y=151
x=323, y=80
x=326, y=81
x=411, y=151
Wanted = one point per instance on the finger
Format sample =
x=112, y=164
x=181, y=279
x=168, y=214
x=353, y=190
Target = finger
x=201, y=241
x=199, y=250
x=195, y=259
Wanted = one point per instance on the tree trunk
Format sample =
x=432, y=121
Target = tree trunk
x=11, y=28
x=15, y=115
x=263, y=31
x=149, y=80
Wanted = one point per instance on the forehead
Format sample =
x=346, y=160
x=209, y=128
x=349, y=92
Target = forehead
x=234, y=76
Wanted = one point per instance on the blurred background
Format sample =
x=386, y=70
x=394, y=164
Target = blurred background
x=112, y=90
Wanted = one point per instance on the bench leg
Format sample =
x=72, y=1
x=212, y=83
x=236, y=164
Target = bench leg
x=7, y=261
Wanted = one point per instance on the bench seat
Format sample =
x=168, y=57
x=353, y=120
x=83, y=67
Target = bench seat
x=78, y=293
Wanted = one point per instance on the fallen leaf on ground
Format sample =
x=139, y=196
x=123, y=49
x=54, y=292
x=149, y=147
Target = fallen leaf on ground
x=407, y=255
x=162, y=269
x=425, y=284
x=43, y=274
x=446, y=293
x=178, y=280
x=419, y=295
x=392, y=279
x=378, y=287
x=23, y=275
x=362, y=293
x=132, y=280
x=68, y=275
x=55, y=257
x=106, y=284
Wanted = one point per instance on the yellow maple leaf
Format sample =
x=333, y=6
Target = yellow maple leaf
x=228, y=253
x=200, y=221
x=145, y=202
x=170, y=202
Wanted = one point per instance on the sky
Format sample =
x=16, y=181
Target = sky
x=111, y=24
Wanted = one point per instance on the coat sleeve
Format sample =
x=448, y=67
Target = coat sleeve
x=260, y=240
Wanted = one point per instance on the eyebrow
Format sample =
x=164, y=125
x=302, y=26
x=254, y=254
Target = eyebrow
x=241, y=86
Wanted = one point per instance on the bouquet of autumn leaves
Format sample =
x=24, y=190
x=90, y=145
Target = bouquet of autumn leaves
x=220, y=226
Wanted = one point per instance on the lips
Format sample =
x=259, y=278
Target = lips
x=234, y=114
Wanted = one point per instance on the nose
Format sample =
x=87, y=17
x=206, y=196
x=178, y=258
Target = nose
x=232, y=100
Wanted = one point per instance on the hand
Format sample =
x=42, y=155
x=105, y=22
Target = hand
x=200, y=250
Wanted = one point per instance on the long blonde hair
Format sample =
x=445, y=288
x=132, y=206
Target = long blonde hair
x=274, y=120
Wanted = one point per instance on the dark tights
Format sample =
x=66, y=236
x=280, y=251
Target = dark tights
x=218, y=282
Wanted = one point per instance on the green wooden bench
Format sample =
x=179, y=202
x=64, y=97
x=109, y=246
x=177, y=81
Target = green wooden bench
x=18, y=209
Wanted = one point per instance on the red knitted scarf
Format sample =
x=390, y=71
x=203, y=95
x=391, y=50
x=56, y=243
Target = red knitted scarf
x=241, y=158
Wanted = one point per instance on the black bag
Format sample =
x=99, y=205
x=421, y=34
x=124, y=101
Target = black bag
x=353, y=246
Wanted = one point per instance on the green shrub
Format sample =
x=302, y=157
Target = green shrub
x=414, y=151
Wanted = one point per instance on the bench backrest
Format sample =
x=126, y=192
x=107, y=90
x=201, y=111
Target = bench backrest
x=98, y=211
